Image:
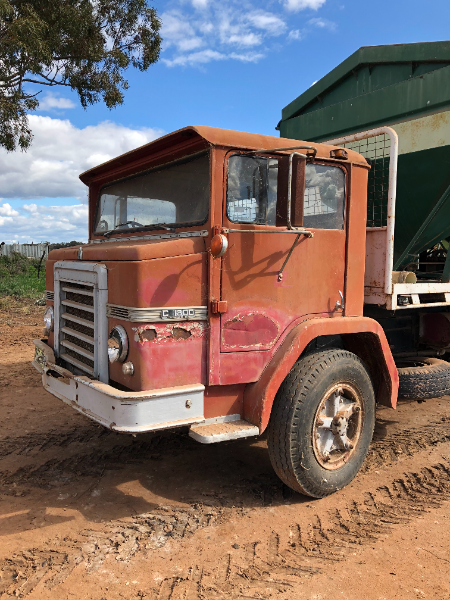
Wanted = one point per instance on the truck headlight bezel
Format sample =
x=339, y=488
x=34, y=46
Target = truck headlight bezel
x=117, y=344
x=49, y=320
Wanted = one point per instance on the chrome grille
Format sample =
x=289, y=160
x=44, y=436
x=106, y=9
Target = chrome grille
x=77, y=332
x=81, y=325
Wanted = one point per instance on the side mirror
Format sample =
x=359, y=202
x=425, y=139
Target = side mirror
x=297, y=190
x=297, y=186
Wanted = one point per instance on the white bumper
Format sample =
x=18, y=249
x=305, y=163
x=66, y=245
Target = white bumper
x=128, y=412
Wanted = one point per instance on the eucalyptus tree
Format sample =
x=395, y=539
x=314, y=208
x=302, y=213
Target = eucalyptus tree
x=84, y=45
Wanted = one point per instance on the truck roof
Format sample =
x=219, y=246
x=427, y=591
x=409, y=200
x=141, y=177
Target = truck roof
x=212, y=136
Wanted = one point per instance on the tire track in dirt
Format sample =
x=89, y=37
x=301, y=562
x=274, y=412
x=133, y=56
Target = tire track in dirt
x=60, y=471
x=407, y=442
x=272, y=566
x=63, y=470
x=40, y=441
x=264, y=569
x=121, y=538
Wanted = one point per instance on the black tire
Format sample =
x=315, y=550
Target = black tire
x=294, y=419
x=421, y=378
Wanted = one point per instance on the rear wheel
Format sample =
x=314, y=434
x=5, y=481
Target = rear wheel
x=322, y=423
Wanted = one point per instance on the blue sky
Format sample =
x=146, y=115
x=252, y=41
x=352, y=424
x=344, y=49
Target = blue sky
x=225, y=63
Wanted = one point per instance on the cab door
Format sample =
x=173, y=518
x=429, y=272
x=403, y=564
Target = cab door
x=262, y=302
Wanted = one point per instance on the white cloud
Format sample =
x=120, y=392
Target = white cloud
x=295, y=34
x=45, y=223
x=220, y=32
x=59, y=153
x=6, y=210
x=176, y=31
x=195, y=58
x=322, y=24
x=51, y=103
x=267, y=21
x=6, y=214
x=206, y=56
x=297, y=5
x=248, y=57
x=247, y=39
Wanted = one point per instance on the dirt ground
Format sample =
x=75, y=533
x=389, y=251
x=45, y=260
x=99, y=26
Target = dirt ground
x=87, y=513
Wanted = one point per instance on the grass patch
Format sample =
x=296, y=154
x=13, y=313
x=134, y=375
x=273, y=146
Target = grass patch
x=19, y=277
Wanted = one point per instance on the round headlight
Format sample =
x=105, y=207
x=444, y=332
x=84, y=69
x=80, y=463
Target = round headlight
x=117, y=344
x=48, y=319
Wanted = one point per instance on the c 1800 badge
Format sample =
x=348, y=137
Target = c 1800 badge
x=178, y=313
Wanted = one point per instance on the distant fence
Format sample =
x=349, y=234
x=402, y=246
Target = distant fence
x=29, y=250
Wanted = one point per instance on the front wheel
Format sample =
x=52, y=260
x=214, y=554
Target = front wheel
x=322, y=423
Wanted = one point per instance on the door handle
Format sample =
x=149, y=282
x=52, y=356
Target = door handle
x=340, y=304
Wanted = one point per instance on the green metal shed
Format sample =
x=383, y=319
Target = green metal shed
x=407, y=87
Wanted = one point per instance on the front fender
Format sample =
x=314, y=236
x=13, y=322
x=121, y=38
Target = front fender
x=361, y=335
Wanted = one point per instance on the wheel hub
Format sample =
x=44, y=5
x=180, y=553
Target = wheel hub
x=337, y=426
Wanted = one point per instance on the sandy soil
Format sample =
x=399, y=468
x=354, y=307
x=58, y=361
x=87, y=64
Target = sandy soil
x=87, y=513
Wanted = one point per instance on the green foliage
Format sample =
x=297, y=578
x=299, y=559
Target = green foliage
x=19, y=276
x=81, y=44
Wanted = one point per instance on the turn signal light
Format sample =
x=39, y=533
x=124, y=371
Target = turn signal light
x=219, y=245
x=339, y=153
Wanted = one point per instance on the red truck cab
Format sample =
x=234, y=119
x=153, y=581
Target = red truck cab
x=222, y=289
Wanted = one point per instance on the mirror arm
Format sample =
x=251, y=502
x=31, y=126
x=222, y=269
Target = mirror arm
x=289, y=198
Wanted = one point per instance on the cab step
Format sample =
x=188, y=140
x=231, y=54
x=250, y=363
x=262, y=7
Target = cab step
x=213, y=430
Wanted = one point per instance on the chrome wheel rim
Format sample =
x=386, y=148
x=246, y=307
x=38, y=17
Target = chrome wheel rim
x=337, y=426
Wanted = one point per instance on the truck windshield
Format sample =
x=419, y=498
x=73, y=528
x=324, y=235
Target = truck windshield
x=172, y=195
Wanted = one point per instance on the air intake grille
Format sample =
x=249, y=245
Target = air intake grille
x=78, y=325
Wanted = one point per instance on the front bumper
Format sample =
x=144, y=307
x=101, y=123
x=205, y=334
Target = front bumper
x=128, y=412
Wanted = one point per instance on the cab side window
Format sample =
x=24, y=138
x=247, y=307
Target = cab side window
x=252, y=189
x=324, y=202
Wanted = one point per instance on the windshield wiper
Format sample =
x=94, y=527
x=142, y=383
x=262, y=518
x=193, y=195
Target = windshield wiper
x=163, y=226
x=151, y=227
x=135, y=223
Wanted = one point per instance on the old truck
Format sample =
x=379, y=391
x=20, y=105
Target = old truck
x=232, y=284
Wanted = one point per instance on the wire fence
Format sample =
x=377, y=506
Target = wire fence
x=377, y=151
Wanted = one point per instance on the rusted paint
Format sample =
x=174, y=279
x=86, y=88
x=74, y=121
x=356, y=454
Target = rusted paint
x=163, y=333
x=249, y=330
x=148, y=335
x=259, y=396
x=181, y=333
